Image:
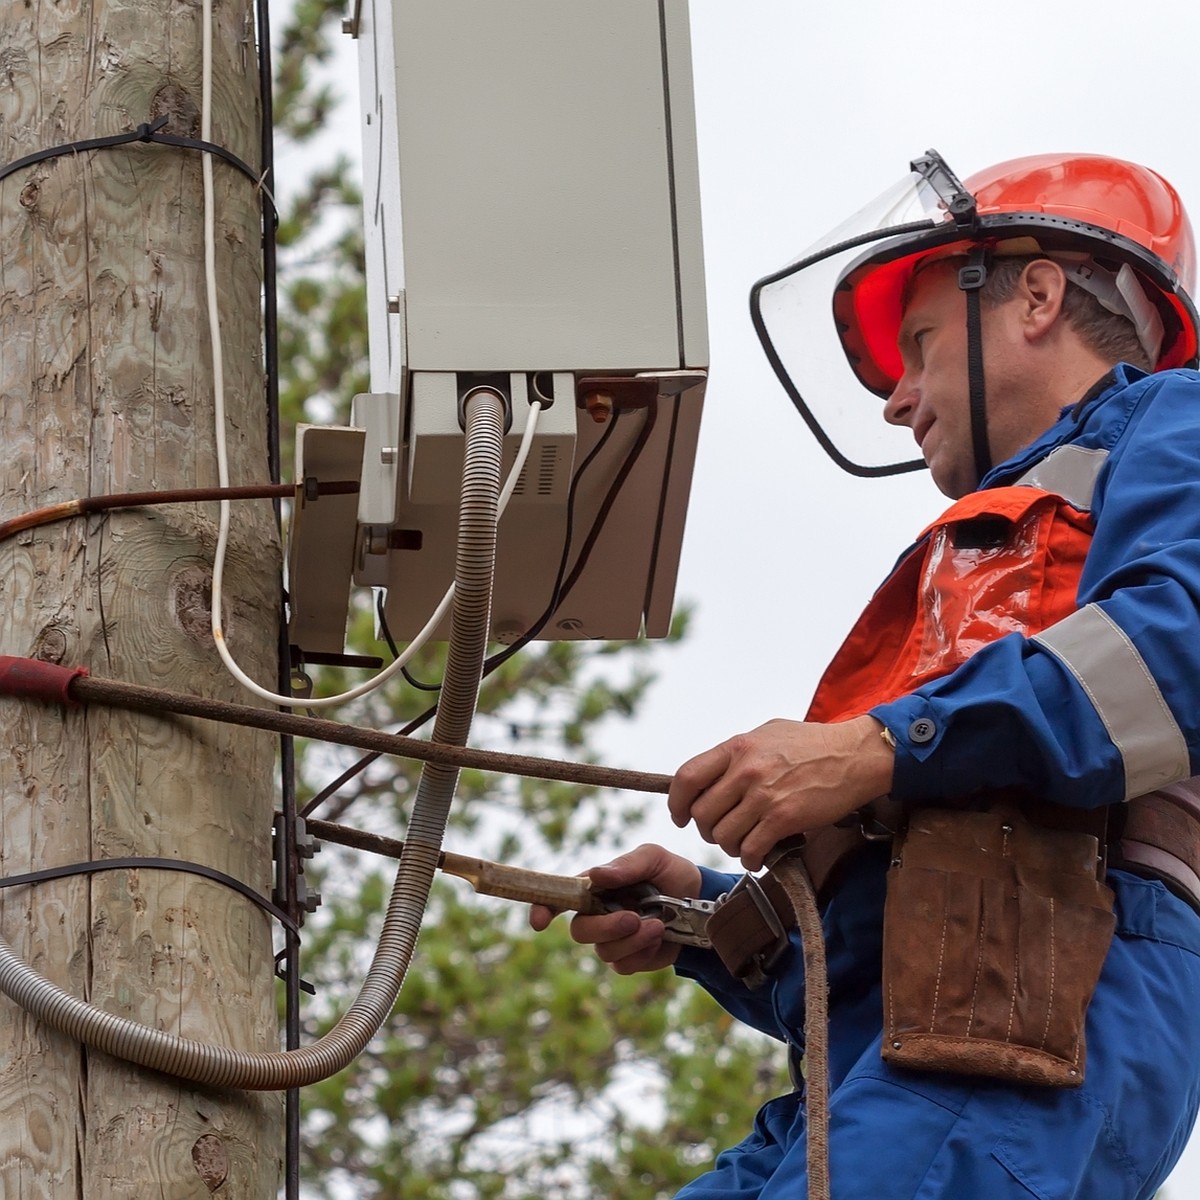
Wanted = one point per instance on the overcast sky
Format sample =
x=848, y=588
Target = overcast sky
x=805, y=112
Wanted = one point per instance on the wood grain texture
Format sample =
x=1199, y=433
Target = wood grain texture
x=106, y=386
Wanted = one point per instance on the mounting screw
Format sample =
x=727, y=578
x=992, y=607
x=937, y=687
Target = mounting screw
x=599, y=406
x=308, y=899
x=306, y=844
x=375, y=539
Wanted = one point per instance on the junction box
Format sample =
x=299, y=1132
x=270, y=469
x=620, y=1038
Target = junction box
x=532, y=223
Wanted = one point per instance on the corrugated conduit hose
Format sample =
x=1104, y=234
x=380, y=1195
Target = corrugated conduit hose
x=280, y=1070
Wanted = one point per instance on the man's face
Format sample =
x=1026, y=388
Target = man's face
x=1032, y=362
x=933, y=396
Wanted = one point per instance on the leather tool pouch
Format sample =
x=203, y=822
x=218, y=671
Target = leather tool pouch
x=995, y=931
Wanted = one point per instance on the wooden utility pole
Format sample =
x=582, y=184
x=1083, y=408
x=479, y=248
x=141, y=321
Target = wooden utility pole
x=106, y=386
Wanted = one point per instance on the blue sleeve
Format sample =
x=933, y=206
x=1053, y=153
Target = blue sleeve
x=1015, y=715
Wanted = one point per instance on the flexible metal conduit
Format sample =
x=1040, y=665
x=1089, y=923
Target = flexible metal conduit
x=279, y=1070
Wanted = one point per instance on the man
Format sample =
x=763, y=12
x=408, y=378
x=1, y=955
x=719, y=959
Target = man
x=1025, y=687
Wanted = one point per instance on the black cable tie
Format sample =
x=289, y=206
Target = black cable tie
x=163, y=864
x=146, y=132
x=281, y=973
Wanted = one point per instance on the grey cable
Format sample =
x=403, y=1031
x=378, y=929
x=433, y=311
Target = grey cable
x=219, y=1066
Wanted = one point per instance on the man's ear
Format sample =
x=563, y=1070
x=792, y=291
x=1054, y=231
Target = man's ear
x=1041, y=290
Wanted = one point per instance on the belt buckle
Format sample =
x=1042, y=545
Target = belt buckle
x=764, y=961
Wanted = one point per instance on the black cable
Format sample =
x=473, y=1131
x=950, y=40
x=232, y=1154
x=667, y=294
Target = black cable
x=395, y=650
x=563, y=588
x=146, y=132
x=559, y=590
x=364, y=762
x=292, y=982
x=159, y=864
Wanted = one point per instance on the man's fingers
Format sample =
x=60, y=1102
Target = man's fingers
x=629, y=868
x=644, y=941
x=649, y=863
x=540, y=916
x=622, y=939
x=734, y=826
x=603, y=930
x=692, y=779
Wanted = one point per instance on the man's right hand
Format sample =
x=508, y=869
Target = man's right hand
x=627, y=942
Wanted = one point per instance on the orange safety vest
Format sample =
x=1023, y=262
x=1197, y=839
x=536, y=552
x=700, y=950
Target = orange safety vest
x=1005, y=560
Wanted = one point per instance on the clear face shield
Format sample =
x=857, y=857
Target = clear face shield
x=793, y=314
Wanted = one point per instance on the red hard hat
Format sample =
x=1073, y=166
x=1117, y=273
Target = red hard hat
x=1117, y=212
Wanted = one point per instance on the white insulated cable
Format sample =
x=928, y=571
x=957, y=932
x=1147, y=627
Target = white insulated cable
x=218, y=369
x=423, y=636
x=214, y=333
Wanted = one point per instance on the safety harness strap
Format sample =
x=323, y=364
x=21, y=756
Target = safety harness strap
x=749, y=928
x=1161, y=839
x=1156, y=836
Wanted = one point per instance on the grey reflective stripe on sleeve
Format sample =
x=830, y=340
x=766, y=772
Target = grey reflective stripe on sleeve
x=1095, y=649
x=1069, y=472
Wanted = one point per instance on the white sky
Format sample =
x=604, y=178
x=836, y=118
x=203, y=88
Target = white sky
x=804, y=113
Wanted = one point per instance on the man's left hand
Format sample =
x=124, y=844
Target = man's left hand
x=785, y=777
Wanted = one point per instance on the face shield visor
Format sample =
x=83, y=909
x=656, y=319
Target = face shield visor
x=794, y=314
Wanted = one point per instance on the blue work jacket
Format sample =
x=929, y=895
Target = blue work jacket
x=1102, y=706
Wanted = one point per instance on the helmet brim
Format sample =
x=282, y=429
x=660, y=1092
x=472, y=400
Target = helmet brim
x=870, y=295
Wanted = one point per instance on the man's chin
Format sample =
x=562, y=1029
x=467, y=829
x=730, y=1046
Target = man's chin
x=948, y=481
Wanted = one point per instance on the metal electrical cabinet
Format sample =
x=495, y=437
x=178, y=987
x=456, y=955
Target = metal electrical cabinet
x=532, y=222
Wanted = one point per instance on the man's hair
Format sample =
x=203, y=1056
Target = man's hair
x=1111, y=336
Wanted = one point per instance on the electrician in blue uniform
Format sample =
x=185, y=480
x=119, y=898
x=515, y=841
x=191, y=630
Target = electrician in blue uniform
x=1042, y=355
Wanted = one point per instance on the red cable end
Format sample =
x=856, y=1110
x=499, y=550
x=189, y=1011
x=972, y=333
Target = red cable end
x=37, y=680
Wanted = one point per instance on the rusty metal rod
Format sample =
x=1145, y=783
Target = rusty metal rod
x=565, y=893
x=90, y=689
x=93, y=504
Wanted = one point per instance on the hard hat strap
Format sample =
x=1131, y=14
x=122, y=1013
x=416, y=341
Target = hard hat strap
x=971, y=279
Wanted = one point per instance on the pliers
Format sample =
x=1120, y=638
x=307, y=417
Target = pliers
x=686, y=921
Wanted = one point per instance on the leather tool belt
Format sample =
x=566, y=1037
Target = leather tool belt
x=1156, y=836
x=995, y=931
x=1159, y=838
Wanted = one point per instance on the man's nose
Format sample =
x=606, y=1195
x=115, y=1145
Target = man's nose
x=900, y=405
